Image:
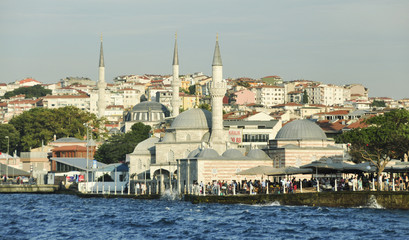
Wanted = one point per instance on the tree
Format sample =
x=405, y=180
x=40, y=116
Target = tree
x=114, y=150
x=386, y=138
x=30, y=92
x=305, y=97
x=192, y=89
x=243, y=84
x=377, y=103
x=39, y=125
x=205, y=106
x=12, y=141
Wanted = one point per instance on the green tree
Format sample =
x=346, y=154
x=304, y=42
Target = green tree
x=205, y=106
x=386, y=138
x=30, y=92
x=305, y=97
x=192, y=89
x=377, y=103
x=114, y=150
x=12, y=141
x=243, y=84
x=39, y=125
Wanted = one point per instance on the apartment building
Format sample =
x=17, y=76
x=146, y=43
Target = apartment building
x=79, y=101
x=324, y=94
x=267, y=95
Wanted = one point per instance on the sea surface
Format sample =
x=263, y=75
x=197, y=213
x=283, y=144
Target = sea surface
x=54, y=216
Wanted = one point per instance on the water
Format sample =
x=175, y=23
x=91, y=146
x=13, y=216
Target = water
x=33, y=216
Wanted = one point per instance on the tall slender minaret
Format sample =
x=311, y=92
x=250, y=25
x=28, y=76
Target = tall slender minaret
x=176, y=81
x=101, y=104
x=217, y=92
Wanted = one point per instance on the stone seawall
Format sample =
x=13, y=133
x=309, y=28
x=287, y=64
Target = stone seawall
x=388, y=200
x=28, y=188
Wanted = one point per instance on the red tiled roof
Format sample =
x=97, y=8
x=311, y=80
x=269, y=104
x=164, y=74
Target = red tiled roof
x=339, y=112
x=358, y=124
x=328, y=126
x=27, y=80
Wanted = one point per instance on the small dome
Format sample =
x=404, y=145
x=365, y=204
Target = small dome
x=146, y=147
x=233, y=154
x=114, y=131
x=257, y=154
x=194, y=153
x=208, y=153
x=195, y=118
x=169, y=137
x=301, y=130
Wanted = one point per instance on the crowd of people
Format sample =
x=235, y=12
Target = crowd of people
x=353, y=182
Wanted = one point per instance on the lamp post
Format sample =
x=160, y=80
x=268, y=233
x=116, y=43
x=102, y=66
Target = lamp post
x=7, y=157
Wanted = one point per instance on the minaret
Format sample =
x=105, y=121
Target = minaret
x=101, y=104
x=176, y=81
x=217, y=92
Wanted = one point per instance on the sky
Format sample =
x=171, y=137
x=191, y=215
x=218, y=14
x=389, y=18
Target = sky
x=331, y=41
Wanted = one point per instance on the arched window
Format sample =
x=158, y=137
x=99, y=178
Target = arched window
x=188, y=138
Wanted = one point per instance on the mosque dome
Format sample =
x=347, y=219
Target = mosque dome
x=208, y=153
x=195, y=118
x=301, y=130
x=233, y=154
x=146, y=147
x=257, y=154
x=194, y=153
x=148, y=111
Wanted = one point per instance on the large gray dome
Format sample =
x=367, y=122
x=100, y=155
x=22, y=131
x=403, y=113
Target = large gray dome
x=195, y=118
x=301, y=130
x=149, y=105
x=147, y=112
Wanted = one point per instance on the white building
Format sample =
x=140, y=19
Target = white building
x=269, y=95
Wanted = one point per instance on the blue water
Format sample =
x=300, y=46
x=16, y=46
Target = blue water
x=32, y=216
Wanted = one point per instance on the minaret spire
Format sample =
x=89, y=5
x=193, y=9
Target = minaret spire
x=176, y=81
x=175, y=52
x=101, y=85
x=217, y=59
x=101, y=55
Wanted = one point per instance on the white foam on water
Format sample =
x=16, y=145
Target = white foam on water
x=170, y=195
x=372, y=203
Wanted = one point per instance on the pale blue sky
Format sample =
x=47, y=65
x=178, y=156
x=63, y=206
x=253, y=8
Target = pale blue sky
x=339, y=42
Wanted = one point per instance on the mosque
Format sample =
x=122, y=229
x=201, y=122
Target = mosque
x=195, y=148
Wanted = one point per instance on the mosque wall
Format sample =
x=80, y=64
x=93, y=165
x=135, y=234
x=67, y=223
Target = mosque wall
x=169, y=152
x=190, y=135
x=138, y=163
x=301, y=143
x=207, y=170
